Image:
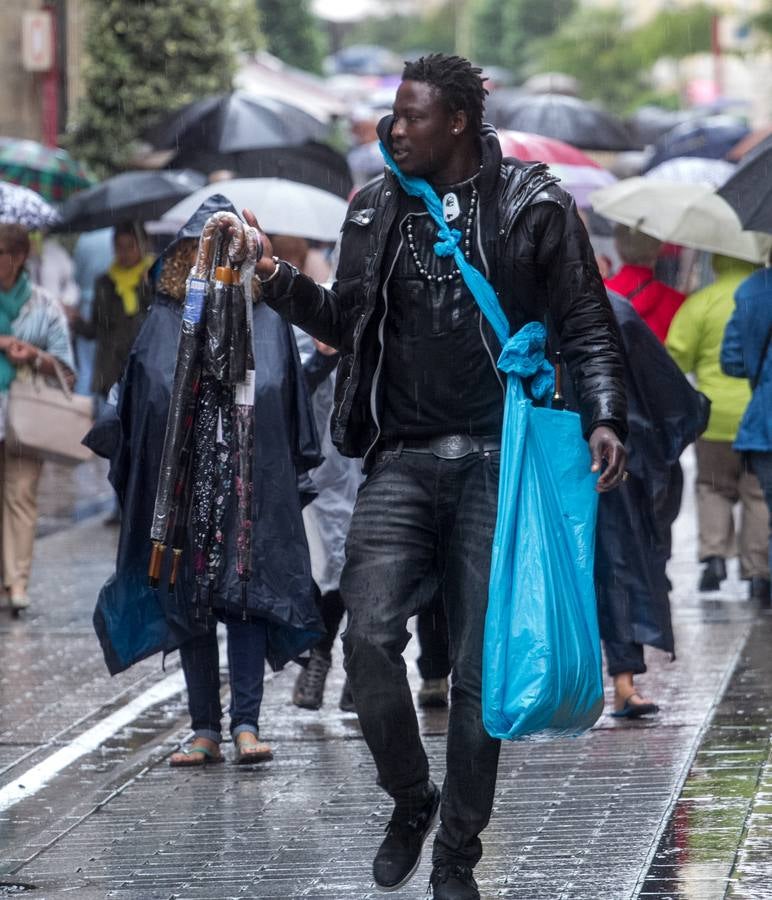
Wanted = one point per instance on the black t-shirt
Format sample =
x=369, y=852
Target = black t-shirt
x=438, y=375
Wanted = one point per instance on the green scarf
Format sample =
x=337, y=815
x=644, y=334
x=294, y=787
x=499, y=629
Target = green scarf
x=11, y=303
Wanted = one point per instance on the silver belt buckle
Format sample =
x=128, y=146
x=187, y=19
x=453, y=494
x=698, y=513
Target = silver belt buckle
x=452, y=446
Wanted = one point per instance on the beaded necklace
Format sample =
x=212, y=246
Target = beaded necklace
x=468, y=225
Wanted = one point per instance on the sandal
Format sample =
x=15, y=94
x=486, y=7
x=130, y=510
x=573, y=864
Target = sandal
x=194, y=757
x=635, y=710
x=249, y=752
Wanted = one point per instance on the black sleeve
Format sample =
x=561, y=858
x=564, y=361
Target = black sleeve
x=318, y=367
x=554, y=237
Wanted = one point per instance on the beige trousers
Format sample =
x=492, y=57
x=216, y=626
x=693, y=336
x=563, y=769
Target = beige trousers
x=723, y=480
x=19, y=478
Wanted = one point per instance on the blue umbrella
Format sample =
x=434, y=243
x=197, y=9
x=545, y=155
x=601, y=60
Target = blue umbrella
x=711, y=138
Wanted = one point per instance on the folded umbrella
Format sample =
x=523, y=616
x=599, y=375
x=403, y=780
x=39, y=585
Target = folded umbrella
x=135, y=196
x=22, y=206
x=281, y=207
x=50, y=171
x=691, y=215
x=749, y=190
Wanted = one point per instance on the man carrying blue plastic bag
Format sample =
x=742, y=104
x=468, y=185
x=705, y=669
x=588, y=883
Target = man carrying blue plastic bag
x=420, y=398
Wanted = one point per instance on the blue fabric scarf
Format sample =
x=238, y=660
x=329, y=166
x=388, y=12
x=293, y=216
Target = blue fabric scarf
x=530, y=340
x=11, y=303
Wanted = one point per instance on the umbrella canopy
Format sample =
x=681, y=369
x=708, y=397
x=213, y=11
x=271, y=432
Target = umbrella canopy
x=578, y=173
x=233, y=122
x=281, y=207
x=692, y=215
x=568, y=119
x=131, y=196
x=50, y=171
x=749, y=190
x=525, y=146
x=22, y=206
x=310, y=163
x=649, y=123
x=712, y=137
x=693, y=170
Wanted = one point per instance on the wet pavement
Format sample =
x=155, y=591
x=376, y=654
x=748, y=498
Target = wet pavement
x=676, y=807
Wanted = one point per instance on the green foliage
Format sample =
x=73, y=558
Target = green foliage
x=145, y=59
x=503, y=30
x=292, y=33
x=612, y=63
x=434, y=31
x=763, y=20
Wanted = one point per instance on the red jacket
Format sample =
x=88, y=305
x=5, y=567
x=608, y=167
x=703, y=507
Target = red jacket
x=655, y=302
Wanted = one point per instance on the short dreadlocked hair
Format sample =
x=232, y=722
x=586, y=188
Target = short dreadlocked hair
x=459, y=82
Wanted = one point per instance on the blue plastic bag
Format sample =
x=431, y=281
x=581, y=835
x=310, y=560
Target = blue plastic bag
x=541, y=655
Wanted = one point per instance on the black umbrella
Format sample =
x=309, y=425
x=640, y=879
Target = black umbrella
x=234, y=122
x=136, y=196
x=749, y=190
x=310, y=163
x=569, y=119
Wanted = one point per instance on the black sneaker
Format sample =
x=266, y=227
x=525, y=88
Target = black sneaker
x=453, y=881
x=309, y=685
x=399, y=855
x=759, y=591
x=713, y=574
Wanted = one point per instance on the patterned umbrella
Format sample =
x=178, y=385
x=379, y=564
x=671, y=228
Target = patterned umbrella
x=21, y=206
x=50, y=171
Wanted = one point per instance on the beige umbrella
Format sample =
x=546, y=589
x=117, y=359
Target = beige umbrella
x=692, y=215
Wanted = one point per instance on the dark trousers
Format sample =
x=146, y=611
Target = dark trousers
x=420, y=520
x=432, y=632
x=246, y=668
x=761, y=466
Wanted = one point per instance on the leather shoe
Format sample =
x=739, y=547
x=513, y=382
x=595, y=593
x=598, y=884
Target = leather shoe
x=759, y=590
x=399, y=855
x=453, y=881
x=713, y=574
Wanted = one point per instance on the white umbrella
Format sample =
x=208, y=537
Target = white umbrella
x=281, y=207
x=693, y=170
x=691, y=215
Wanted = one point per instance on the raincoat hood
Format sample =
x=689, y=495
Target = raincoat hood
x=192, y=228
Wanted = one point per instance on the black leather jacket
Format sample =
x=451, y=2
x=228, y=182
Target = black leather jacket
x=537, y=256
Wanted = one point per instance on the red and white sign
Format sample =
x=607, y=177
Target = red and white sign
x=37, y=41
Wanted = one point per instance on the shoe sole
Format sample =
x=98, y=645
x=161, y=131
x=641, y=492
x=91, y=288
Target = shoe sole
x=382, y=889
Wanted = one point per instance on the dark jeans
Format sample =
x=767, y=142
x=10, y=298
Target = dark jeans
x=419, y=519
x=623, y=657
x=332, y=610
x=246, y=668
x=761, y=466
x=432, y=632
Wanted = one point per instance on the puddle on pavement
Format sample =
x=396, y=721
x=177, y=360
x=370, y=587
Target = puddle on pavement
x=701, y=853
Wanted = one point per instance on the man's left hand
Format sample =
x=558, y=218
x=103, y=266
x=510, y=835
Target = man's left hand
x=606, y=446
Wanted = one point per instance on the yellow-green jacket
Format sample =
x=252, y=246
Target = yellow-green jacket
x=694, y=341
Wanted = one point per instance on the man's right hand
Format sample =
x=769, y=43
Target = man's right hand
x=265, y=265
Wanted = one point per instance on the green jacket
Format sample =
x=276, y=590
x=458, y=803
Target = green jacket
x=694, y=342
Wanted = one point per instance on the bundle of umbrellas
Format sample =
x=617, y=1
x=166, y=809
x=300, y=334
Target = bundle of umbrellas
x=209, y=429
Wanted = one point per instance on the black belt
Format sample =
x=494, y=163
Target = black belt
x=449, y=446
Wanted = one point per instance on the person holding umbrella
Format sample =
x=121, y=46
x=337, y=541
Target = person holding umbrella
x=121, y=299
x=33, y=339
x=272, y=617
x=746, y=353
x=723, y=476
